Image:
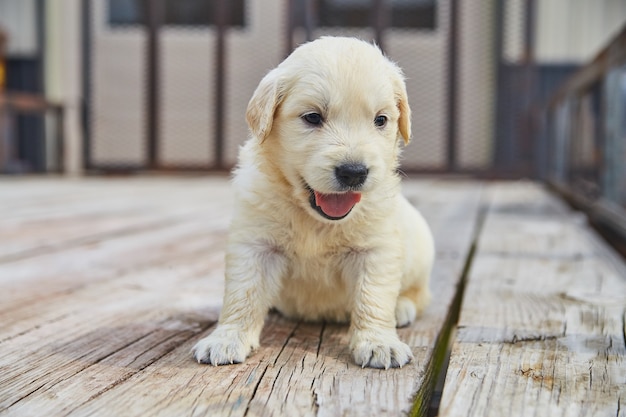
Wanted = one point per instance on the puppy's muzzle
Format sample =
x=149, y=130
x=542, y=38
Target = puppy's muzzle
x=351, y=175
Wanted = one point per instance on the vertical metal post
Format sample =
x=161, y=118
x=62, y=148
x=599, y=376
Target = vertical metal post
x=501, y=140
x=60, y=138
x=86, y=69
x=528, y=60
x=3, y=72
x=38, y=120
x=154, y=17
x=45, y=120
x=382, y=20
x=290, y=27
x=40, y=19
x=452, y=105
x=310, y=21
x=221, y=24
x=3, y=124
x=11, y=162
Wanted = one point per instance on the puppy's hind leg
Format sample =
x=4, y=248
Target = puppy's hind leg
x=411, y=303
x=253, y=276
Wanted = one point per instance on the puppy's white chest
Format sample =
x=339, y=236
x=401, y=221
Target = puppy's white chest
x=317, y=288
x=315, y=297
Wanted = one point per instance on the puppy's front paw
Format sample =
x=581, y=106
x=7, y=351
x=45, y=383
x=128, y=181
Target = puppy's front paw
x=383, y=350
x=225, y=346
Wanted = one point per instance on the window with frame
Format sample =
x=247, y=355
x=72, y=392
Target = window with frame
x=409, y=14
x=176, y=12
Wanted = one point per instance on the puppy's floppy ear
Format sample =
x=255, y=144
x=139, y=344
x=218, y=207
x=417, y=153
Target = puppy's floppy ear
x=263, y=104
x=404, y=123
x=402, y=101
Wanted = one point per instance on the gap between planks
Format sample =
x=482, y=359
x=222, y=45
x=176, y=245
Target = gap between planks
x=428, y=400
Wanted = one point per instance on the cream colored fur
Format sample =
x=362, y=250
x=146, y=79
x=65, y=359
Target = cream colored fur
x=370, y=268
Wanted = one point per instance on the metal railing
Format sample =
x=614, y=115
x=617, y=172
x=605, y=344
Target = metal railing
x=16, y=105
x=585, y=123
x=469, y=97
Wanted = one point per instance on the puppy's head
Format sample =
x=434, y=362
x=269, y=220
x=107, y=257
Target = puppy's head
x=329, y=119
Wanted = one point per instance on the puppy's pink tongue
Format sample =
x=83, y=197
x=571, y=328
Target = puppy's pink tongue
x=336, y=205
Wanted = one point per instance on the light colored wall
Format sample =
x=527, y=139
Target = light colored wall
x=575, y=30
x=422, y=54
x=568, y=30
x=251, y=53
x=187, y=96
x=187, y=83
x=63, y=75
x=17, y=19
x=118, y=116
x=476, y=84
x=62, y=52
x=513, y=42
x=423, y=58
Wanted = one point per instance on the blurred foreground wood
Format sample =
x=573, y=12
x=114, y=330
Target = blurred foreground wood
x=107, y=283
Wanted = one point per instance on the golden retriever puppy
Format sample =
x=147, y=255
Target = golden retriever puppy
x=320, y=228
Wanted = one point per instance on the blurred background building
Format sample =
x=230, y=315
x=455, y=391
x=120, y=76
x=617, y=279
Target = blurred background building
x=145, y=85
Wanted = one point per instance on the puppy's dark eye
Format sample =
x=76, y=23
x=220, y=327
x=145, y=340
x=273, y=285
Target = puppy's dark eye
x=380, y=121
x=313, y=119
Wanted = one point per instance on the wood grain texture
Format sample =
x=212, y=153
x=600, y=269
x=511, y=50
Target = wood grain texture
x=541, y=329
x=107, y=284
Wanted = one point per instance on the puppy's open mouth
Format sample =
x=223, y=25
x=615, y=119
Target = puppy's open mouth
x=333, y=206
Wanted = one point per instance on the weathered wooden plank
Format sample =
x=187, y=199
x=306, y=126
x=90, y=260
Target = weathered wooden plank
x=541, y=329
x=59, y=309
x=103, y=251
x=127, y=321
x=106, y=328
x=76, y=213
x=23, y=199
x=34, y=280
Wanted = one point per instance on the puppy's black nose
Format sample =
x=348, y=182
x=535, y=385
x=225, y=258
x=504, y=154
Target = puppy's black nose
x=351, y=175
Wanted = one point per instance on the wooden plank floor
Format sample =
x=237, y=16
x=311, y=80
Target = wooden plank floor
x=105, y=284
x=542, y=326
